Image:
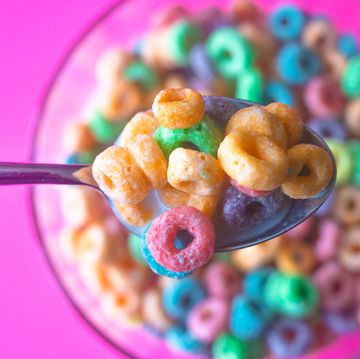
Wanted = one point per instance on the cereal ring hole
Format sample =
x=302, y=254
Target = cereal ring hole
x=355, y=248
x=190, y=146
x=297, y=257
x=206, y=315
x=183, y=239
x=305, y=171
x=121, y=300
x=185, y=301
x=288, y=335
x=253, y=208
x=336, y=286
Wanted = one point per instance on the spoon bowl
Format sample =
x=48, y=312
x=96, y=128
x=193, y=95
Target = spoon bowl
x=291, y=214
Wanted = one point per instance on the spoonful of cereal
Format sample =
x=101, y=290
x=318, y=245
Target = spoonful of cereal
x=199, y=174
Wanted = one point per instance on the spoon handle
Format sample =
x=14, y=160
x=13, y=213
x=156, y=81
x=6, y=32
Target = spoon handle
x=36, y=173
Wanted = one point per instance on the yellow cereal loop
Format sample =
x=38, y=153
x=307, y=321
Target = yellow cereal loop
x=253, y=161
x=150, y=158
x=134, y=214
x=78, y=137
x=119, y=177
x=318, y=164
x=255, y=119
x=94, y=277
x=195, y=172
x=172, y=197
x=141, y=123
x=178, y=108
x=290, y=119
x=205, y=204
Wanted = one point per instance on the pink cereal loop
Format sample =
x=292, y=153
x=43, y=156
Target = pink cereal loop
x=248, y=191
x=162, y=232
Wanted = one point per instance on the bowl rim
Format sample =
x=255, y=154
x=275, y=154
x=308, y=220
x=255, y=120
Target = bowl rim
x=36, y=127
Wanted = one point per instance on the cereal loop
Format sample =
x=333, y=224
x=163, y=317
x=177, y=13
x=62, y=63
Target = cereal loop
x=195, y=172
x=162, y=233
x=78, y=137
x=134, y=214
x=317, y=162
x=347, y=205
x=255, y=119
x=119, y=177
x=178, y=108
x=141, y=123
x=295, y=258
x=150, y=158
x=253, y=161
x=290, y=119
x=205, y=204
x=121, y=100
x=172, y=197
x=349, y=252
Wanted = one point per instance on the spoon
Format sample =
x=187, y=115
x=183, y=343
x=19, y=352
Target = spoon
x=290, y=215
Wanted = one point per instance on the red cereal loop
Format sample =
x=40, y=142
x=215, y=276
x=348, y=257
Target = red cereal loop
x=162, y=233
x=248, y=191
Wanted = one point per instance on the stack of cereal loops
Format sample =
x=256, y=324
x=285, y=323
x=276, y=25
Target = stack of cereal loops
x=284, y=297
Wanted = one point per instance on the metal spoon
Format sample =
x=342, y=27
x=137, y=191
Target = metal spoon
x=293, y=212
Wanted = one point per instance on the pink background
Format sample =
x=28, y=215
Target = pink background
x=36, y=321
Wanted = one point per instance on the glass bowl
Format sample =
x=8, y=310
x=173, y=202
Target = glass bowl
x=69, y=90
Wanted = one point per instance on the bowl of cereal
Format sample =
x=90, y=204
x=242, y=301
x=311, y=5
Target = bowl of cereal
x=295, y=295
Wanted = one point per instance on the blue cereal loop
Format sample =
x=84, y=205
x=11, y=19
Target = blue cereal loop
x=286, y=22
x=248, y=318
x=276, y=91
x=179, y=298
x=296, y=64
x=180, y=339
x=254, y=283
x=347, y=45
x=155, y=266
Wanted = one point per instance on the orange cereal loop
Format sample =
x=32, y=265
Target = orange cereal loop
x=253, y=161
x=134, y=214
x=121, y=277
x=255, y=119
x=94, y=277
x=111, y=64
x=81, y=206
x=317, y=162
x=204, y=204
x=172, y=197
x=141, y=123
x=153, y=310
x=150, y=158
x=119, y=177
x=69, y=243
x=251, y=258
x=121, y=304
x=346, y=208
x=121, y=100
x=290, y=119
x=178, y=108
x=295, y=258
x=78, y=137
x=96, y=244
x=195, y=172
x=335, y=62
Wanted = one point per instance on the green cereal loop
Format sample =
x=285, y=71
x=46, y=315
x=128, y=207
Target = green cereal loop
x=350, y=81
x=293, y=296
x=86, y=157
x=140, y=72
x=249, y=85
x=343, y=158
x=135, y=249
x=103, y=130
x=223, y=257
x=205, y=135
x=229, y=51
x=182, y=36
x=226, y=346
x=354, y=148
